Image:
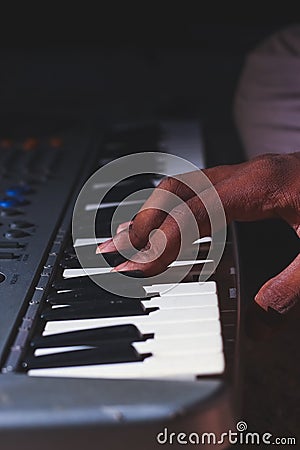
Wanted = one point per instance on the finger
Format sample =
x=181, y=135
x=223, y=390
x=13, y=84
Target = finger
x=151, y=215
x=156, y=208
x=246, y=196
x=246, y=191
x=123, y=226
x=120, y=241
x=283, y=291
x=135, y=237
x=184, y=187
x=179, y=228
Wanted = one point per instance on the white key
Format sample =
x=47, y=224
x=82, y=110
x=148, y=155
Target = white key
x=89, y=241
x=164, y=289
x=159, y=316
x=189, y=262
x=94, y=206
x=51, y=350
x=159, y=329
x=103, y=185
x=100, y=240
x=182, y=301
x=110, y=184
x=73, y=273
x=202, y=240
x=209, y=287
x=201, y=344
x=155, y=367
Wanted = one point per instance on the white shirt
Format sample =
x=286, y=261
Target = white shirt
x=267, y=102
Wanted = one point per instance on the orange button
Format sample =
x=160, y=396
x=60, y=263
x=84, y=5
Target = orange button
x=30, y=144
x=55, y=142
x=6, y=143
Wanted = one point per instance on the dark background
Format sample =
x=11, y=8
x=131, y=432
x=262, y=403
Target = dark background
x=114, y=67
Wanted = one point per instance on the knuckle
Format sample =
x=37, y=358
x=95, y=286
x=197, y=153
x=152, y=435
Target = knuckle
x=183, y=219
x=166, y=183
x=277, y=166
x=170, y=184
x=277, y=173
x=179, y=212
x=272, y=164
x=179, y=185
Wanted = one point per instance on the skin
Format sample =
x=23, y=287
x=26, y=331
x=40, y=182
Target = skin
x=265, y=187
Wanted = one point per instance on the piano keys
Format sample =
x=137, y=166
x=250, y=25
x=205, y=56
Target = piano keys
x=164, y=352
x=169, y=304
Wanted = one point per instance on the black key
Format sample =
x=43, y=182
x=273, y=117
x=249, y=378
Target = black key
x=103, y=228
x=109, y=353
x=72, y=297
x=122, y=190
x=85, y=227
x=88, y=250
x=104, y=215
x=93, y=337
x=93, y=260
x=131, y=286
x=80, y=297
x=92, y=310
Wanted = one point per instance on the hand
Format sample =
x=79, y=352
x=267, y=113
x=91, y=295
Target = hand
x=265, y=187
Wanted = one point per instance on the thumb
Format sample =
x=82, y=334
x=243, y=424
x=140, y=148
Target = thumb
x=283, y=291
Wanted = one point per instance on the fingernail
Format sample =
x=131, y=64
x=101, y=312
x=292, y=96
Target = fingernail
x=103, y=246
x=120, y=267
x=260, y=303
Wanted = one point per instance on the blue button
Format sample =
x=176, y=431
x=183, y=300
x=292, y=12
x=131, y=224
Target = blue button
x=12, y=202
x=16, y=191
x=8, y=202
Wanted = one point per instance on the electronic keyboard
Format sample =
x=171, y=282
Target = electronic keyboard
x=81, y=365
